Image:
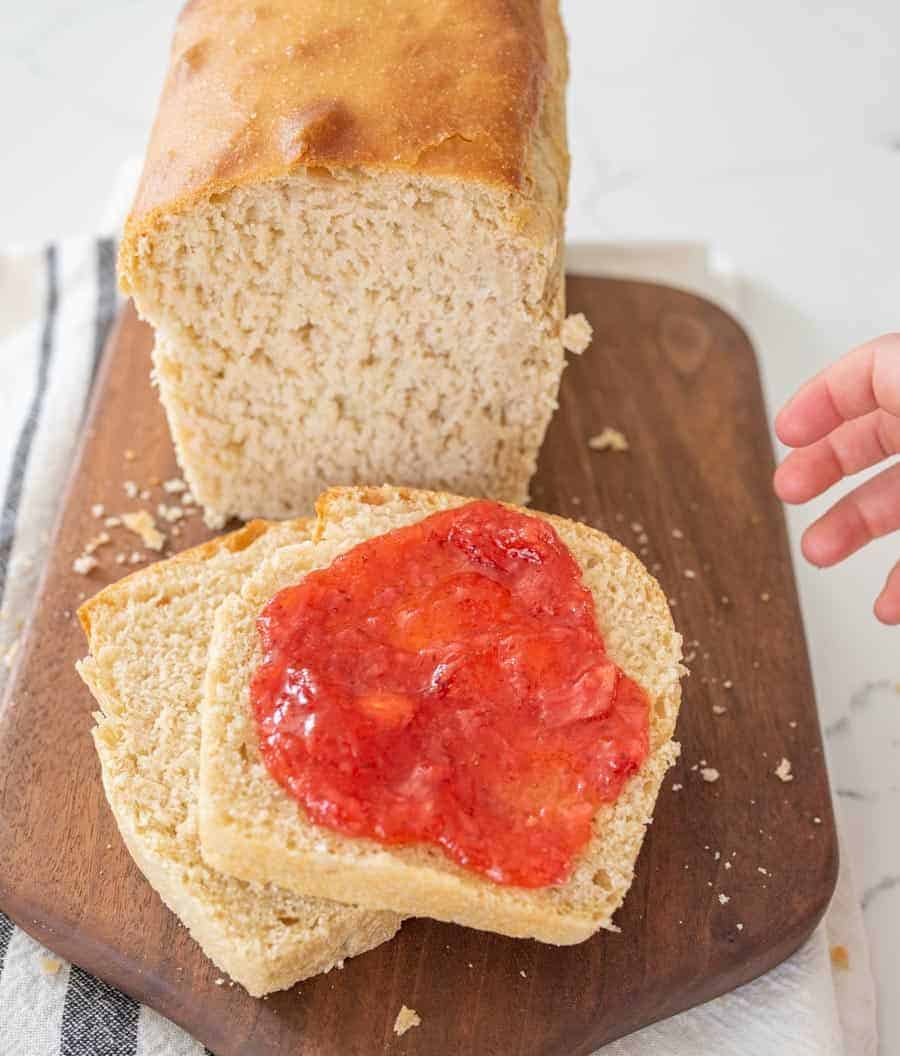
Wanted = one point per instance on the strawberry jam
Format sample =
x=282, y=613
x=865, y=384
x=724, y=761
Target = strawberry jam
x=446, y=683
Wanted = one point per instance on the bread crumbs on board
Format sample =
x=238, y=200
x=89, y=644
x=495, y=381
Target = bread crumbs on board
x=783, y=770
x=84, y=564
x=709, y=774
x=169, y=513
x=407, y=1018
x=10, y=655
x=609, y=439
x=576, y=333
x=143, y=525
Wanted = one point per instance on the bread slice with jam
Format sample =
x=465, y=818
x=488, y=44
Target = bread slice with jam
x=148, y=636
x=252, y=828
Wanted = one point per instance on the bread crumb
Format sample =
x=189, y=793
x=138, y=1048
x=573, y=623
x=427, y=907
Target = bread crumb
x=407, y=1018
x=719, y=709
x=723, y=899
x=763, y=870
x=840, y=957
x=728, y=865
x=135, y=558
x=609, y=439
x=10, y=655
x=793, y=724
x=689, y=573
x=523, y=973
x=740, y=927
x=50, y=966
x=726, y=600
x=130, y=456
x=175, y=486
x=220, y=982
x=98, y=509
x=120, y=559
x=576, y=333
x=96, y=542
x=131, y=489
x=85, y=564
x=817, y=821
x=783, y=770
x=677, y=787
x=170, y=513
x=765, y=596
x=142, y=524
x=677, y=533
x=727, y=684
x=709, y=774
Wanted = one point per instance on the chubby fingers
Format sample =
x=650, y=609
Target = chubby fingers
x=887, y=604
x=852, y=447
x=866, y=513
x=866, y=379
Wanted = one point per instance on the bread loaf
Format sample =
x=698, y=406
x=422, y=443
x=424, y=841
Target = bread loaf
x=252, y=828
x=148, y=637
x=348, y=238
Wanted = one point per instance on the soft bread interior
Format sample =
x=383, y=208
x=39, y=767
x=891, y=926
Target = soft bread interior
x=148, y=636
x=353, y=327
x=250, y=827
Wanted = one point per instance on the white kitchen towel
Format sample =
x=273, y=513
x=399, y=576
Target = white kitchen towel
x=56, y=306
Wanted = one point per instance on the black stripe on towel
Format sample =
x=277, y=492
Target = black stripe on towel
x=10, y=510
x=6, y=930
x=97, y=1020
x=106, y=298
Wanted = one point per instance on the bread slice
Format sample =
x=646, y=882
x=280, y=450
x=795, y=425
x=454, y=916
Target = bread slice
x=148, y=636
x=348, y=238
x=250, y=827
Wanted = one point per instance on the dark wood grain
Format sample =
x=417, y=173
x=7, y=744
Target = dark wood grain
x=679, y=377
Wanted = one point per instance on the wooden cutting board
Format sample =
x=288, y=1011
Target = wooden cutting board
x=734, y=873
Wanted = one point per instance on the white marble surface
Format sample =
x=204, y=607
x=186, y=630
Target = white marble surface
x=770, y=131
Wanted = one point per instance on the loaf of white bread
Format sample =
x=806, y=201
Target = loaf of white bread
x=252, y=828
x=148, y=636
x=348, y=239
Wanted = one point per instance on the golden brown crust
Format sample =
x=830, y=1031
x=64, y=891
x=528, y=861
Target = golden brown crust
x=233, y=541
x=465, y=89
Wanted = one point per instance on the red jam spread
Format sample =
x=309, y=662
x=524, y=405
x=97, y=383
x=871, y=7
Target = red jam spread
x=446, y=683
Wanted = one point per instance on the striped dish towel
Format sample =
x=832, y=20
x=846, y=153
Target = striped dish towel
x=56, y=308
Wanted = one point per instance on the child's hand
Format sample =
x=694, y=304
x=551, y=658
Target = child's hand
x=845, y=420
